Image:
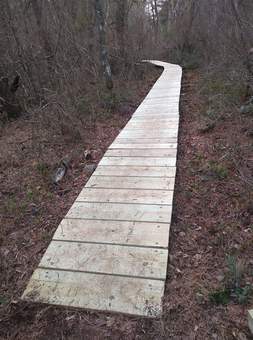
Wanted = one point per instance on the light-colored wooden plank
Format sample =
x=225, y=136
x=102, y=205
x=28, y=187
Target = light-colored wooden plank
x=96, y=292
x=154, y=115
x=157, y=117
x=162, y=100
x=158, y=90
x=168, y=82
x=135, y=171
x=113, y=259
x=136, y=140
x=114, y=232
x=159, y=95
x=143, y=146
x=166, y=87
x=161, y=92
x=156, y=133
x=156, y=107
x=169, y=87
x=125, y=196
x=152, y=183
x=170, y=101
x=150, y=126
x=143, y=122
x=142, y=153
x=121, y=212
x=156, y=104
x=162, y=109
x=150, y=121
x=138, y=161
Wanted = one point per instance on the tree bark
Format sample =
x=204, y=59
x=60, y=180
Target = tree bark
x=100, y=22
x=43, y=35
x=155, y=17
x=90, y=13
x=121, y=22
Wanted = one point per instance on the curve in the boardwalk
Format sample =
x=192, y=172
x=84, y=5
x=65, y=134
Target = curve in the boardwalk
x=110, y=252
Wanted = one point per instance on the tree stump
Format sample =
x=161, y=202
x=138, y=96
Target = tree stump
x=8, y=102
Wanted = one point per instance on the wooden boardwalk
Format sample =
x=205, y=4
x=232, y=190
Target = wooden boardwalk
x=110, y=252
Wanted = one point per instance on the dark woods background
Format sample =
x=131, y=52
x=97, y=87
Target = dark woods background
x=61, y=48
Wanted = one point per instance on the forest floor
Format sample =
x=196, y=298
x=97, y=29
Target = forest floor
x=211, y=234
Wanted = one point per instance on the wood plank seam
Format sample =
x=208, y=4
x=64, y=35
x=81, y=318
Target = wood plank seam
x=108, y=219
x=107, y=243
x=104, y=274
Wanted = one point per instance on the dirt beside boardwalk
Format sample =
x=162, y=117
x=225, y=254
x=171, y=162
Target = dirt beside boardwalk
x=212, y=223
x=212, y=219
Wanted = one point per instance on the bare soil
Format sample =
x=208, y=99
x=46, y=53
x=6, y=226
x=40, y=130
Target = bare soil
x=212, y=218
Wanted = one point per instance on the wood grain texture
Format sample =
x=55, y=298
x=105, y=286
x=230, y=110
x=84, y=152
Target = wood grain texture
x=114, y=232
x=136, y=171
x=113, y=259
x=121, y=212
x=146, y=153
x=149, y=145
x=139, y=161
x=100, y=292
x=138, y=196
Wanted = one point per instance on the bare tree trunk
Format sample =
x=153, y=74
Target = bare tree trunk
x=155, y=17
x=247, y=53
x=43, y=34
x=156, y=14
x=188, y=30
x=100, y=22
x=235, y=10
x=90, y=12
x=121, y=21
x=20, y=50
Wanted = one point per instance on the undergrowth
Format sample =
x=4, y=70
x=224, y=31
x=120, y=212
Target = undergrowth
x=234, y=288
